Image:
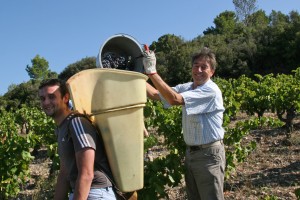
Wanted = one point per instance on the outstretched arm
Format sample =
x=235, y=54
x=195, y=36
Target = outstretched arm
x=165, y=90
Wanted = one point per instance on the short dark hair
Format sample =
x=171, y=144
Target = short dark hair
x=51, y=82
x=207, y=54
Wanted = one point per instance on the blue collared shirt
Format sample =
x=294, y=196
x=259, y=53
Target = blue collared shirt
x=202, y=114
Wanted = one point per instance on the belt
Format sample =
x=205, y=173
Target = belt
x=203, y=146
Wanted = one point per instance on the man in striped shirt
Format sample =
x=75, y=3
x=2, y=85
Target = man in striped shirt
x=80, y=148
x=202, y=118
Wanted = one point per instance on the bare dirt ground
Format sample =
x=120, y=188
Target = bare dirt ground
x=271, y=172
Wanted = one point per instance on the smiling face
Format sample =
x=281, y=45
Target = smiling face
x=201, y=71
x=53, y=103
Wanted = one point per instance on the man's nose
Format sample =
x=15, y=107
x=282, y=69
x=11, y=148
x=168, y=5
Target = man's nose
x=199, y=69
x=46, y=101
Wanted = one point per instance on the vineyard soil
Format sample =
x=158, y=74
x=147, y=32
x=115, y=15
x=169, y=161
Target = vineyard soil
x=272, y=171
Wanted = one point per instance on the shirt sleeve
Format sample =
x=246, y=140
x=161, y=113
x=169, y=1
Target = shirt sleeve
x=164, y=101
x=200, y=100
x=83, y=133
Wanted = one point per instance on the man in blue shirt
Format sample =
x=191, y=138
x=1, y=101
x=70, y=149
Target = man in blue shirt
x=202, y=118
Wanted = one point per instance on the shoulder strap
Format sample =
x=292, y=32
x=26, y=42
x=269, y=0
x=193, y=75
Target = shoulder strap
x=74, y=115
x=77, y=114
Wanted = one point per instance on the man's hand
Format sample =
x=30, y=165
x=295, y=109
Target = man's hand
x=149, y=61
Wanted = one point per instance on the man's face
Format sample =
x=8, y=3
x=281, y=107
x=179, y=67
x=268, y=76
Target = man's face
x=201, y=71
x=52, y=102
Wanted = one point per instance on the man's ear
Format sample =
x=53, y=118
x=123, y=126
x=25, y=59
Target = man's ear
x=212, y=73
x=66, y=98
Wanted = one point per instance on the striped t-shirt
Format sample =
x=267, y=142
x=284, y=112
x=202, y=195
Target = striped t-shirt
x=76, y=136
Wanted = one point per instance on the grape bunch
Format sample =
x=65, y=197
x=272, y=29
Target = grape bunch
x=115, y=61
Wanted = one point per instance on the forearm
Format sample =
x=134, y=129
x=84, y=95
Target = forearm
x=152, y=93
x=62, y=187
x=83, y=186
x=166, y=91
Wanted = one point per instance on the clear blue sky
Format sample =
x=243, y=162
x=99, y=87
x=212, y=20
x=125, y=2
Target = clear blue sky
x=65, y=31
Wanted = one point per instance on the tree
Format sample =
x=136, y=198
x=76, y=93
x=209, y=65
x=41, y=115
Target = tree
x=167, y=43
x=293, y=33
x=24, y=93
x=70, y=70
x=244, y=8
x=258, y=20
x=167, y=50
x=279, y=20
x=278, y=46
x=225, y=22
x=180, y=65
x=39, y=69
